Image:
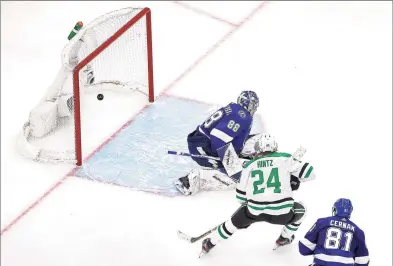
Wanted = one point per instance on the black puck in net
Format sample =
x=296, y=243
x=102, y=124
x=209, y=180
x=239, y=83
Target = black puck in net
x=100, y=97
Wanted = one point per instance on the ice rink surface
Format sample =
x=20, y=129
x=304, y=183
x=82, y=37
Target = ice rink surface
x=322, y=70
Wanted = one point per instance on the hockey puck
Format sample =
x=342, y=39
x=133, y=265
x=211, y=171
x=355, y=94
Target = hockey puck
x=100, y=97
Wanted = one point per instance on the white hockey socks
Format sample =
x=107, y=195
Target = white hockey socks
x=224, y=231
x=289, y=229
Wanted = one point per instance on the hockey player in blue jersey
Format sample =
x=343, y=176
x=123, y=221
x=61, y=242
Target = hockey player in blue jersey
x=225, y=130
x=335, y=240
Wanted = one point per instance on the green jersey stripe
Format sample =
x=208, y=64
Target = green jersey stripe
x=220, y=233
x=292, y=229
x=270, y=204
x=271, y=207
x=303, y=169
x=240, y=198
x=309, y=172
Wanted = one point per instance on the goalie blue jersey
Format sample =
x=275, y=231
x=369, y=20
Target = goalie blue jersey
x=231, y=123
x=335, y=241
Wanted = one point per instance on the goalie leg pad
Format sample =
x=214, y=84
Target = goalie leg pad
x=204, y=179
x=214, y=180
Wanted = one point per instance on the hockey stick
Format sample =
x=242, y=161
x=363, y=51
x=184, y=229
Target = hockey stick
x=192, y=155
x=191, y=239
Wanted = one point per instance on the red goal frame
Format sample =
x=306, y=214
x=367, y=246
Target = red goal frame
x=77, y=110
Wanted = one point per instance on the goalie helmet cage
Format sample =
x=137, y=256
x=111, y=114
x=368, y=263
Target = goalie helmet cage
x=113, y=39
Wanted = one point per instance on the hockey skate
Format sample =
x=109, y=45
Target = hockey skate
x=183, y=185
x=189, y=184
x=282, y=241
x=206, y=246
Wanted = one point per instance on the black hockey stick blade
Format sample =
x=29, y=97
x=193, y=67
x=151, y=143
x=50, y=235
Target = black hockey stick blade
x=191, y=239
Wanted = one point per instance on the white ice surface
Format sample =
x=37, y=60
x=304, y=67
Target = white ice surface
x=323, y=74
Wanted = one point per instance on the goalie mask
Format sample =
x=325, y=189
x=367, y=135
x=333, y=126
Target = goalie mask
x=266, y=143
x=249, y=101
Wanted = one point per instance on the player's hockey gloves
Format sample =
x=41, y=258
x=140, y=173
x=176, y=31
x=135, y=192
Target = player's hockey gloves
x=294, y=182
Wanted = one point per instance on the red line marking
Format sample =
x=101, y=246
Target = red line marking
x=169, y=87
x=70, y=173
x=204, y=13
x=10, y=225
x=214, y=47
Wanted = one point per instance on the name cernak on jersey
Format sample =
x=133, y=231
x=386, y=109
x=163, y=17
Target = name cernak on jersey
x=343, y=225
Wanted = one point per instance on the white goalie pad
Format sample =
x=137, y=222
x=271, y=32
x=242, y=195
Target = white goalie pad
x=213, y=180
x=206, y=179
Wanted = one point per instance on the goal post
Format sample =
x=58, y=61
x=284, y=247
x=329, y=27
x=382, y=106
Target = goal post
x=144, y=12
x=113, y=52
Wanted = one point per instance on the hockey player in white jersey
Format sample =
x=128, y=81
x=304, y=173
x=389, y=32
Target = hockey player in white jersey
x=266, y=195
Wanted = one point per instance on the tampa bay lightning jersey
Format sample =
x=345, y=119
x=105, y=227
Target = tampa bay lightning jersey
x=231, y=123
x=335, y=241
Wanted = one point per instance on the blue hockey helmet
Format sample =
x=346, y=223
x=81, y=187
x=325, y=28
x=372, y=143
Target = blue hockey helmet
x=249, y=101
x=342, y=208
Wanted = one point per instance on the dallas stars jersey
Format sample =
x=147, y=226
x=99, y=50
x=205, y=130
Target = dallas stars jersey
x=265, y=183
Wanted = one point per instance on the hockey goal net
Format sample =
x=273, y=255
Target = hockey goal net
x=112, y=53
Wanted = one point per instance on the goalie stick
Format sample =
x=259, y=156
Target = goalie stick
x=192, y=155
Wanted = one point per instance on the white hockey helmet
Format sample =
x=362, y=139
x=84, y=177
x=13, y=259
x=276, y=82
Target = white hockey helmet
x=265, y=143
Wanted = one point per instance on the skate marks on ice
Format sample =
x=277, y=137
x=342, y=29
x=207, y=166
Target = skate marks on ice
x=137, y=156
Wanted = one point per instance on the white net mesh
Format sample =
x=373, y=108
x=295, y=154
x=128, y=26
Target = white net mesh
x=49, y=135
x=125, y=60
